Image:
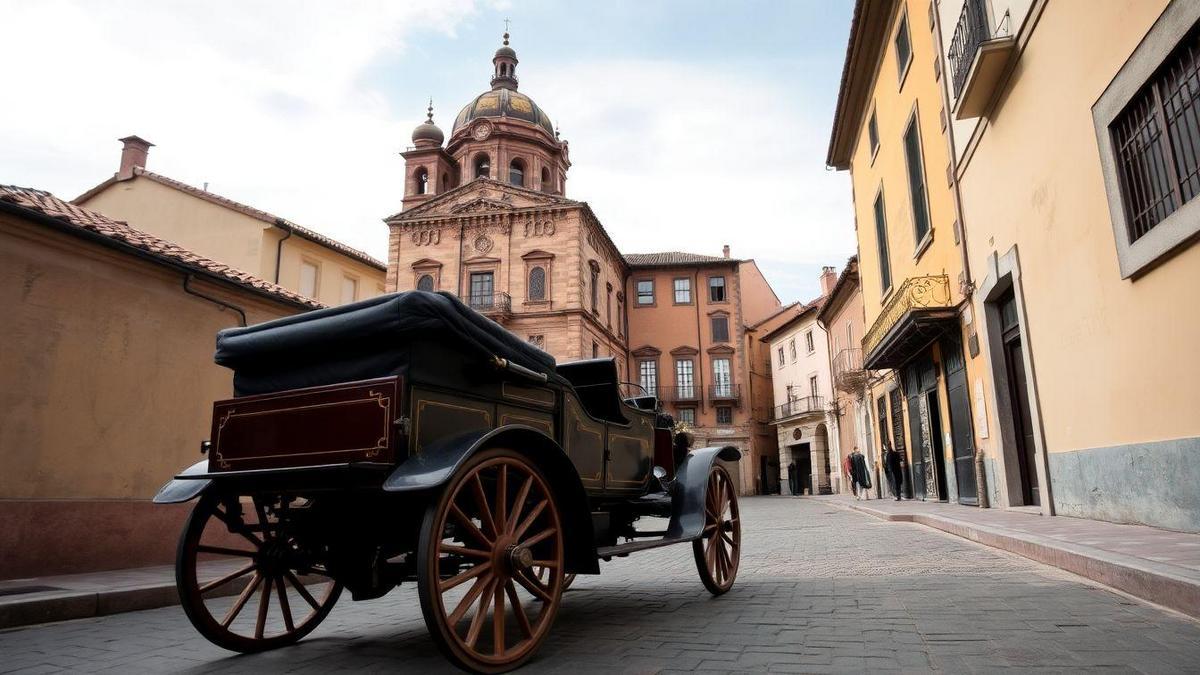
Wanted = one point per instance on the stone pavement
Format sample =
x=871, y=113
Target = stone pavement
x=821, y=589
x=1158, y=565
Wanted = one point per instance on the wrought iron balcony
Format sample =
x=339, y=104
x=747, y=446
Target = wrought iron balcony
x=917, y=314
x=498, y=306
x=848, y=372
x=977, y=59
x=809, y=405
x=725, y=393
x=680, y=394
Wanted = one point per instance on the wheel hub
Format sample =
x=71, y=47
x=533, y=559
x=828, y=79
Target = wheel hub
x=520, y=558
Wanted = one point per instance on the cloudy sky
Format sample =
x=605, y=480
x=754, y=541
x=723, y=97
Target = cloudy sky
x=692, y=124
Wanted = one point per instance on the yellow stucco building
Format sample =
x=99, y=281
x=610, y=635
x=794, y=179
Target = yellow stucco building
x=1077, y=133
x=890, y=133
x=254, y=241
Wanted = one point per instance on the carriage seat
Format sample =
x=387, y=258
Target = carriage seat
x=598, y=387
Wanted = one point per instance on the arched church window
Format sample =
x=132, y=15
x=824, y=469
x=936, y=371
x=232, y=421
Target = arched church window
x=516, y=173
x=537, y=283
x=425, y=283
x=483, y=167
x=422, y=181
x=546, y=186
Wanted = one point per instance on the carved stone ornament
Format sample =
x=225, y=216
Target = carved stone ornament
x=482, y=131
x=426, y=237
x=539, y=228
x=797, y=433
x=483, y=244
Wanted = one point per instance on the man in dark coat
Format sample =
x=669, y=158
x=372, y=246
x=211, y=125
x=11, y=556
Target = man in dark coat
x=860, y=475
x=895, y=470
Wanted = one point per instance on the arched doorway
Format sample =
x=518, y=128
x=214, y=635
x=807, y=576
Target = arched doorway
x=821, y=460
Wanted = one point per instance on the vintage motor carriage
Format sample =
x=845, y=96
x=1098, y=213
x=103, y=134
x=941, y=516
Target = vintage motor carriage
x=409, y=438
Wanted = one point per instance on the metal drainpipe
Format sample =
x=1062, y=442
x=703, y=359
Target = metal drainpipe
x=187, y=288
x=699, y=372
x=286, y=227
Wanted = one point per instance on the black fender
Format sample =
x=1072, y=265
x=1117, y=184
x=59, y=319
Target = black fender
x=436, y=463
x=690, y=488
x=179, y=490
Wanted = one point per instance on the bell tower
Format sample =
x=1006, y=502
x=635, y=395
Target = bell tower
x=428, y=168
x=504, y=74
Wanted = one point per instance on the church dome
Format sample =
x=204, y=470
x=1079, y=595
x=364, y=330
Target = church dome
x=427, y=130
x=503, y=103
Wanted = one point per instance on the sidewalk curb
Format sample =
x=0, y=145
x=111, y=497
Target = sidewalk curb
x=1160, y=584
x=16, y=612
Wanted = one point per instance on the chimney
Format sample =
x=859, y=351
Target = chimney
x=829, y=279
x=133, y=154
x=725, y=251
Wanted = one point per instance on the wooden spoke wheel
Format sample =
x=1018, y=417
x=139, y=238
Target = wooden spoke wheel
x=719, y=548
x=490, y=563
x=244, y=582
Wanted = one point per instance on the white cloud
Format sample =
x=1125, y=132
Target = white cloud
x=268, y=103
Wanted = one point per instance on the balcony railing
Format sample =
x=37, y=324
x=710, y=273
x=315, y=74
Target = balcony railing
x=491, y=304
x=848, y=373
x=914, y=293
x=800, y=406
x=971, y=31
x=680, y=394
x=725, y=392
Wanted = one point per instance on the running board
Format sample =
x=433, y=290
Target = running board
x=608, y=552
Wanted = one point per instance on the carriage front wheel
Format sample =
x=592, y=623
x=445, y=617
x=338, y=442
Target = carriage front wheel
x=718, y=550
x=490, y=562
x=244, y=581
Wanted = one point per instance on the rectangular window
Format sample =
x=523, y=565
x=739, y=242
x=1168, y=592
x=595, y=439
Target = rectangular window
x=716, y=289
x=873, y=133
x=792, y=349
x=722, y=379
x=808, y=342
x=881, y=242
x=648, y=376
x=481, y=290
x=720, y=328
x=595, y=351
x=903, y=48
x=916, y=180
x=683, y=291
x=724, y=414
x=349, y=289
x=683, y=379
x=781, y=357
x=309, y=279
x=645, y=292
x=687, y=416
x=812, y=386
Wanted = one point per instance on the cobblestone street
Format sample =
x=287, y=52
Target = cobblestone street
x=820, y=589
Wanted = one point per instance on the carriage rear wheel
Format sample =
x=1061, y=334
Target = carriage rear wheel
x=243, y=580
x=490, y=563
x=718, y=550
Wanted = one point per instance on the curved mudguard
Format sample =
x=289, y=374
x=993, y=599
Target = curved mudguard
x=690, y=490
x=436, y=463
x=178, y=490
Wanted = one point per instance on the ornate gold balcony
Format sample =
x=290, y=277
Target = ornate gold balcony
x=916, y=315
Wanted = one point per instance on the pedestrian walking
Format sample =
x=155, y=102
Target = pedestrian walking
x=860, y=475
x=847, y=470
x=895, y=464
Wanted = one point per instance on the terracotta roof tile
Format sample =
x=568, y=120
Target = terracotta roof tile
x=87, y=220
x=667, y=258
x=259, y=214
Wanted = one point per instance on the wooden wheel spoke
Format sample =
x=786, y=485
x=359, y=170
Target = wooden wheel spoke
x=522, y=495
x=464, y=551
x=545, y=565
x=533, y=514
x=485, y=509
x=465, y=576
x=226, y=579
x=533, y=586
x=283, y=604
x=264, y=603
x=727, y=539
x=518, y=610
x=241, y=601
x=473, y=593
x=302, y=590
x=502, y=500
x=466, y=522
x=222, y=550
x=265, y=526
x=498, y=622
x=540, y=536
x=480, y=612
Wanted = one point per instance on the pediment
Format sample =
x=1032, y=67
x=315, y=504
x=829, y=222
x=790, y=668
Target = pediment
x=426, y=263
x=646, y=351
x=720, y=349
x=482, y=195
x=685, y=351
